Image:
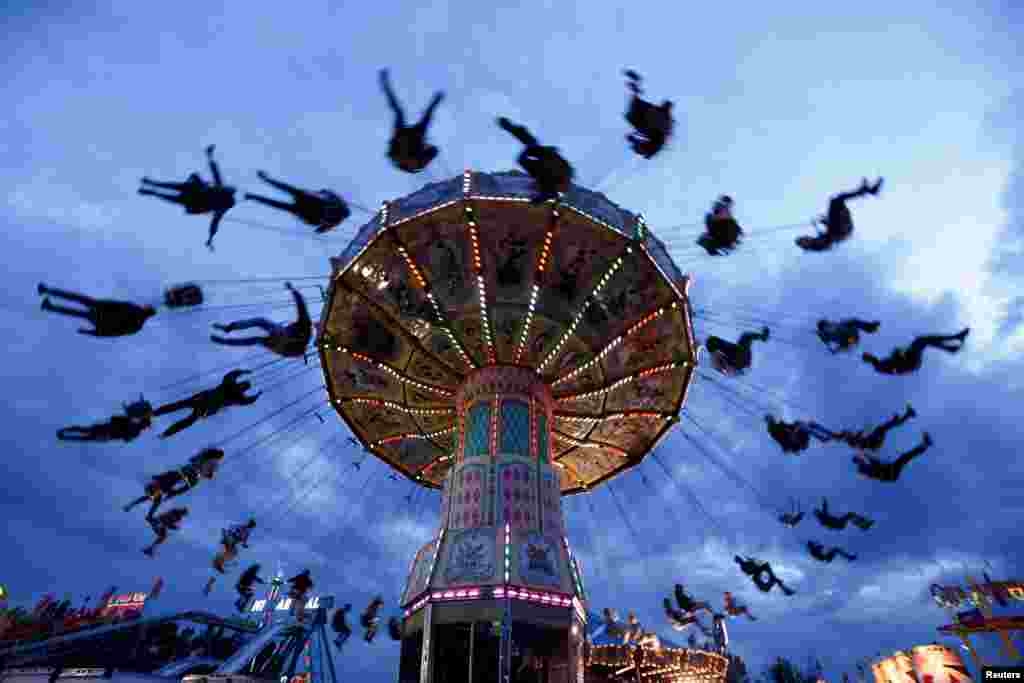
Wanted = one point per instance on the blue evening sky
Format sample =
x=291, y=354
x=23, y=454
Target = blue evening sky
x=779, y=105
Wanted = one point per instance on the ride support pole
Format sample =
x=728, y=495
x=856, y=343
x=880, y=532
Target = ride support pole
x=965, y=637
x=1008, y=647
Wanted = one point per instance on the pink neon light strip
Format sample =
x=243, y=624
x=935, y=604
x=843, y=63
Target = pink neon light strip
x=479, y=593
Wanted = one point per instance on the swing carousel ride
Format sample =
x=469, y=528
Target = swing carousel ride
x=509, y=354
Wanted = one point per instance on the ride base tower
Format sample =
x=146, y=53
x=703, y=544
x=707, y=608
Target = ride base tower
x=501, y=562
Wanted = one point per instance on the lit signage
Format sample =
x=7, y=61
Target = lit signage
x=127, y=600
x=286, y=604
x=127, y=603
x=950, y=597
x=82, y=673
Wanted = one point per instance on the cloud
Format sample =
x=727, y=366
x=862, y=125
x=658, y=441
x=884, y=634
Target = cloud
x=1008, y=257
x=44, y=197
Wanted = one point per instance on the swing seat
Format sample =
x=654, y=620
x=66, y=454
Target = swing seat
x=395, y=628
x=183, y=295
x=139, y=410
x=721, y=363
x=817, y=243
x=334, y=212
x=724, y=231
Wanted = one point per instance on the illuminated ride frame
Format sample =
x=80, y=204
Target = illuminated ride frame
x=507, y=353
x=982, y=620
x=278, y=647
x=284, y=649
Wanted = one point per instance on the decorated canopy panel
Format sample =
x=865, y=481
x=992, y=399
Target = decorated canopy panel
x=468, y=273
